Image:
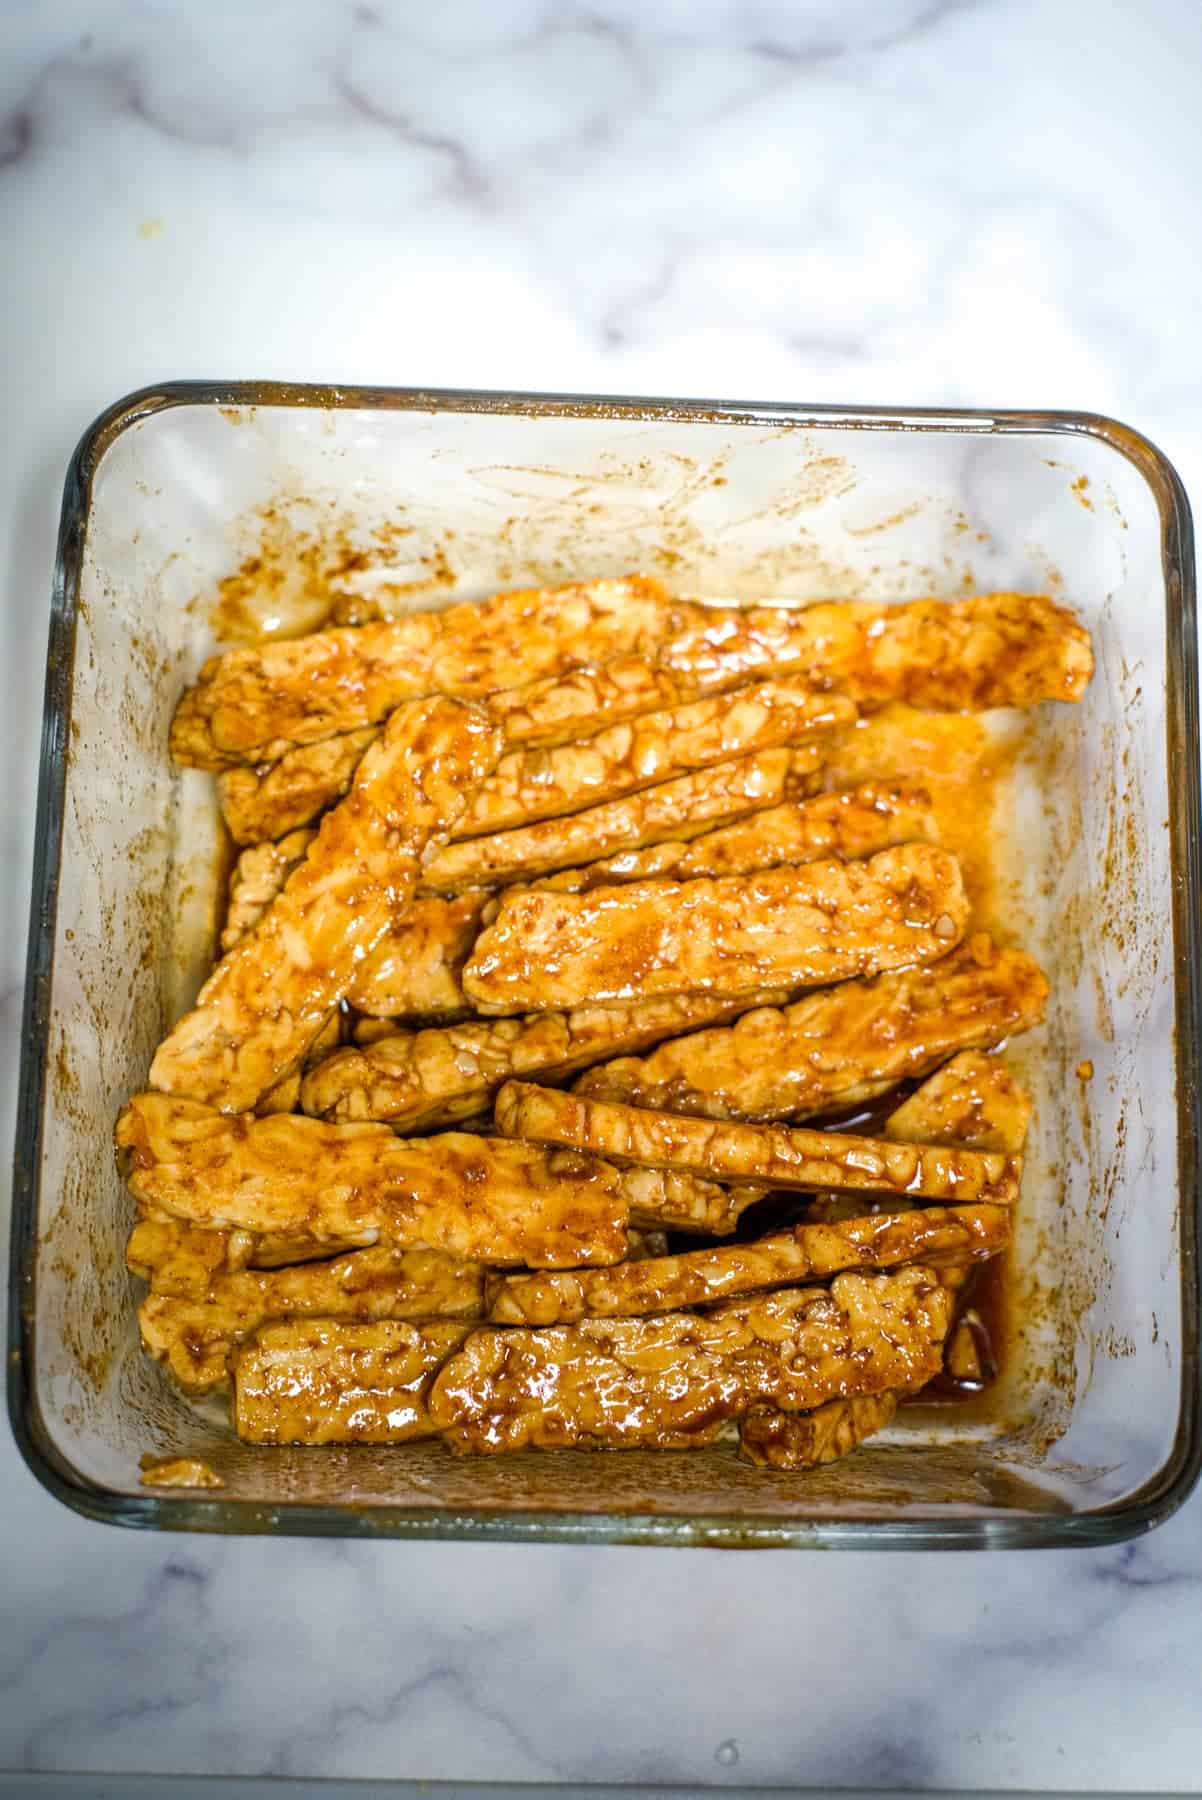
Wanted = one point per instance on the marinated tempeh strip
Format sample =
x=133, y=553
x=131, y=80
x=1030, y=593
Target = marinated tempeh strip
x=787, y=927
x=476, y=1198
x=781, y=1440
x=775, y=1155
x=415, y=970
x=260, y=802
x=323, y=1381
x=269, y=997
x=480, y=1199
x=196, y=1337
x=672, y=1381
x=675, y=809
x=803, y=1253
x=838, y=1047
x=972, y=1100
x=185, y=1260
x=418, y=1079
x=853, y=824
x=990, y=650
x=951, y=656
x=256, y=879
x=251, y=705
x=532, y=784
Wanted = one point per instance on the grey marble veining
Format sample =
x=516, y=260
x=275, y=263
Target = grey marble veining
x=875, y=201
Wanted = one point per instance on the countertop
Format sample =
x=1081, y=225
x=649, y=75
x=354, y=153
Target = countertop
x=893, y=201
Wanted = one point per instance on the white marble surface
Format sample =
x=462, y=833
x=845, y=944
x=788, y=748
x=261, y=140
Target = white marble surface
x=878, y=201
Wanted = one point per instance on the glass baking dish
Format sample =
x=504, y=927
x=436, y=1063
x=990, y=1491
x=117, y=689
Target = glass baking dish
x=1093, y=1434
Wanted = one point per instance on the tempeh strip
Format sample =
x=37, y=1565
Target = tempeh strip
x=802, y=1253
x=415, y=970
x=972, y=1100
x=672, y=1381
x=775, y=1155
x=265, y=802
x=782, y=1440
x=196, y=1337
x=418, y=1079
x=476, y=1198
x=952, y=656
x=269, y=997
x=480, y=1199
x=251, y=705
x=839, y=1047
x=853, y=824
x=532, y=784
x=786, y=927
x=990, y=650
x=674, y=809
x=256, y=879
x=185, y=1260
x=322, y=1381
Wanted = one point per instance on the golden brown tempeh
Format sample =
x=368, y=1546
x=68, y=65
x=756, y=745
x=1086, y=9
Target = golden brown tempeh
x=417, y=1079
x=184, y=1260
x=675, y=809
x=972, y=1100
x=802, y=1253
x=774, y=1155
x=532, y=784
x=269, y=997
x=476, y=1198
x=786, y=927
x=949, y=655
x=838, y=1047
x=415, y=969
x=673, y=1381
x=853, y=824
x=781, y=1440
x=990, y=650
x=251, y=705
x=196, y=1337
x=265, y=801
x=256, y=879
x=322, y=1381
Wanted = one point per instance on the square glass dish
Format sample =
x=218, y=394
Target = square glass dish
x=265, y=492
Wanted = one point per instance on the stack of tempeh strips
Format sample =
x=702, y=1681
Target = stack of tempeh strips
x=590, y=834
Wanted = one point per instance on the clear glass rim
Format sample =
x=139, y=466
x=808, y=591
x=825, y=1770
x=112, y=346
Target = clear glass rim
x=1159, y=1497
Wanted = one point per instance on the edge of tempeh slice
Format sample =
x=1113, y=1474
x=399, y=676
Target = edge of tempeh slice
x=528, y=785
x=256, y=878
x=972, y=1100
x=683, y=807
x=772, y=1439
x=250, y=704
x=414, y=1080
x=774, y=1155
x=805, y=1252
x=1002, y=649
x=268, y=998
x=672, y=1381
x=323, y=1381
x=837, y=1047
x=854, y=823
x=261, y=802
x=176, y=1258
x=792, y=927
x=195, y=1337
x=476, y=1198
x=415, y=969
